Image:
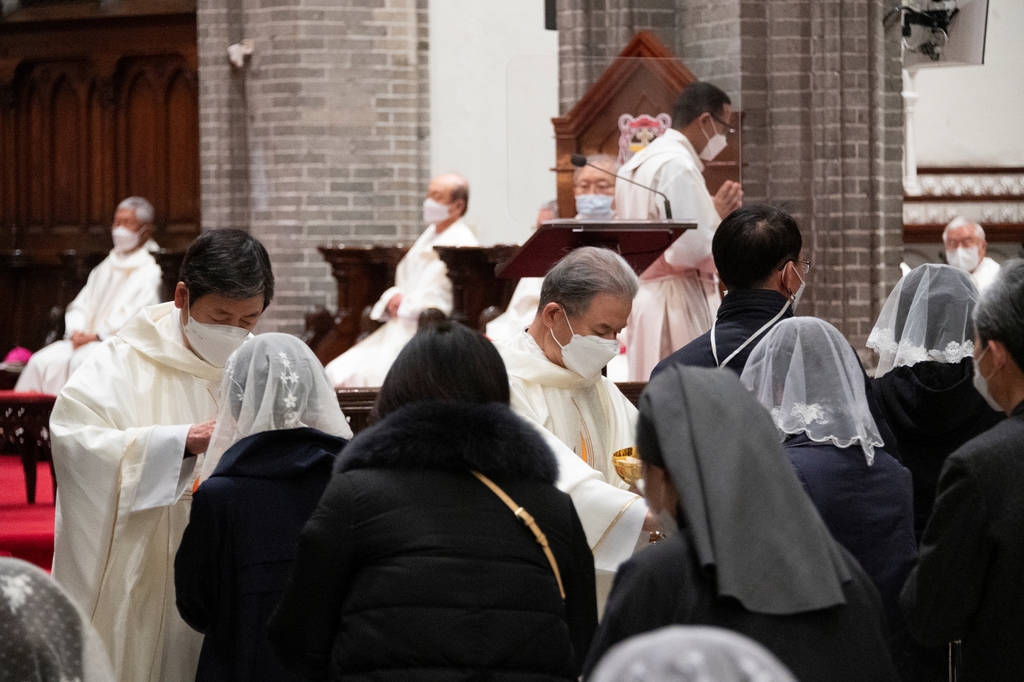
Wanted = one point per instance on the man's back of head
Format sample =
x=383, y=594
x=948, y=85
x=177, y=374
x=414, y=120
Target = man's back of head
x=696, y=99
x=753, y=244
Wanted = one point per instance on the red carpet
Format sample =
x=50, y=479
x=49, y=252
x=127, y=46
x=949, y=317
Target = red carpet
x=26, y=530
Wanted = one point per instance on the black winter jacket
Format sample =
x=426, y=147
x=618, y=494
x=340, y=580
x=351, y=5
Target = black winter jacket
x=238, y=548
x=411, y=569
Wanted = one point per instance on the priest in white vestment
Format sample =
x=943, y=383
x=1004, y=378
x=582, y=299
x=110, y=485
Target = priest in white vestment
x=125, y=282
x=554, y=369
x=966, y=247
x=678, y=296
x=127, y=430
x=421, y=282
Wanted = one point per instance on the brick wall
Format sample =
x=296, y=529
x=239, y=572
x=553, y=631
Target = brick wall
x=322, y=138
x=818, y=82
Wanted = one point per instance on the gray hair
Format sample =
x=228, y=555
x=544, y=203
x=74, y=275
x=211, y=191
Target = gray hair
x=608, y=163
x=583, y=274
x=228, y=262
x=961, y=221
x=143, y=209
x=999, y=313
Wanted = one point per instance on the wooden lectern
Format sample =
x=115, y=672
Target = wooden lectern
x=639, y=242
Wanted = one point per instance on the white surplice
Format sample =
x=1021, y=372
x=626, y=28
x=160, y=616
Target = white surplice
x=584, y=423
x=985, y=274
x=118, y=429
x=422, y=279
x=678, y=297
x=521, y=310
x=117, y=288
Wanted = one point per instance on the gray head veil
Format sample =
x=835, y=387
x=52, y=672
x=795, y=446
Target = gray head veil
x=43, y=636
x=746, y=513
x=690, y=654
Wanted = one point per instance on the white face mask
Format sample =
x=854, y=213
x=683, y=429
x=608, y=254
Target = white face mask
x=586, y=355
x=799, y=290
x=716, y=143
x=213, y=342
x=981, y=384
x=124, y=239
x=594, y=206
x=965, y=259
x=434, y=211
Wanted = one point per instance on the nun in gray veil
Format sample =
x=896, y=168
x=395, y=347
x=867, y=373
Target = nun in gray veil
x=746, y=551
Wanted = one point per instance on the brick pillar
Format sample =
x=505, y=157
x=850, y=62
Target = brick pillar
x=819, y=84
x=321, y=138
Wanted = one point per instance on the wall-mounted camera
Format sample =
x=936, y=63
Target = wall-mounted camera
x=943, y=32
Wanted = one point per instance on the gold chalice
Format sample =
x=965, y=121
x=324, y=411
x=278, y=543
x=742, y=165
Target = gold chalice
x=628, y=465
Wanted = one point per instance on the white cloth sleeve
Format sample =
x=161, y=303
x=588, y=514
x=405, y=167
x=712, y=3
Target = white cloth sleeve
x=622, y=538
x=381, y=306
x=690, y=201
x=165, y=472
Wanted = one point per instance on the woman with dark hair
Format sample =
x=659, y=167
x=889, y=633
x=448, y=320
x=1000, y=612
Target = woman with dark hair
x=747, y=551
x=924, y=337
x=441, y=548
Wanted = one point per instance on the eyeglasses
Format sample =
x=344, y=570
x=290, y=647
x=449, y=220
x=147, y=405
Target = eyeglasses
x=601, y=186
x=805, y=265
x=728, y=129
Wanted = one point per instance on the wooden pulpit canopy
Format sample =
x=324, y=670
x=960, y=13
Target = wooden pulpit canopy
x=645, y=78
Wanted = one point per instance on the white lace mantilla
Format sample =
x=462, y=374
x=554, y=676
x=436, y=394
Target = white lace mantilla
x=904, y=354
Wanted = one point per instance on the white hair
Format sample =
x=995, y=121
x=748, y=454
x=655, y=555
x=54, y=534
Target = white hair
x=143, y=209
x=960, y=221
x=602, y=161
x=583, y=274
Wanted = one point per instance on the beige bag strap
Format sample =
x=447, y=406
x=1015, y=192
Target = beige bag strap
x=528, y=521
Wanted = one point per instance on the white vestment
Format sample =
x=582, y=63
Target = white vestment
x=985, y=274
x=678, y=297
x=422, y=280
x=584, y=423
x=117, y=288
x=118, y=429
x=522, y=308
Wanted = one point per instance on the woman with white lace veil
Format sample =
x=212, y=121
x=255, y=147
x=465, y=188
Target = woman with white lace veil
x=808, y=376
x=270, y=458
x=924, y=383
x=43, y=635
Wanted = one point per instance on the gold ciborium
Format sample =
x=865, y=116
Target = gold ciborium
x=628, y=465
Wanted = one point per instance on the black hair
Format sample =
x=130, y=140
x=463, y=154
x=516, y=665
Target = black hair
x=696, y=99
x=752, y=242
x=444, y=361
x=228, y=262
x=647, y=442
x=999, y=314
x=460, y=191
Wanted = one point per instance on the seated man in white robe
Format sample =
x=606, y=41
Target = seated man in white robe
x=124, y=283
x=966, y=247
x=554, y=369
x=421, y=282
x=127, y=430
x=678, y=295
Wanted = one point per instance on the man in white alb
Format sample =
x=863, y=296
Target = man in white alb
x=965, y=249
x=124, y=283
x=421, y=282
x=554, y=369
x=678, y=295
x=127, y=430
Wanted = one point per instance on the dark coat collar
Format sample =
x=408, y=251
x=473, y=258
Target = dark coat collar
x=453, y=436
x=747, y=302
x=279, y=454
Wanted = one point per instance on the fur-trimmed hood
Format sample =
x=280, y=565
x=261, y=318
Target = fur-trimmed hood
x=453, y=436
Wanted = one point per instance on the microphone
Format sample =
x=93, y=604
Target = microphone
x=580, y=161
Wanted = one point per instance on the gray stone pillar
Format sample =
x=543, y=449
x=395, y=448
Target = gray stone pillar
x=321, y=138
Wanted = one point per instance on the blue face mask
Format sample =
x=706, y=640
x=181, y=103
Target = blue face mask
x=594, y=206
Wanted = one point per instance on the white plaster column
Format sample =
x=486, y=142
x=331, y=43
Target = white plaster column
x=911, y=185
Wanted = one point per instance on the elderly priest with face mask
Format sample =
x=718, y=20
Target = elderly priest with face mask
x=127, y=430
x=554, y=368
x=125, y=282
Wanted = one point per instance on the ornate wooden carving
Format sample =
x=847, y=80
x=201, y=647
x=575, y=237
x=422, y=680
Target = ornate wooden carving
x=363, y=273
x=645, y=78
x=474, y=285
